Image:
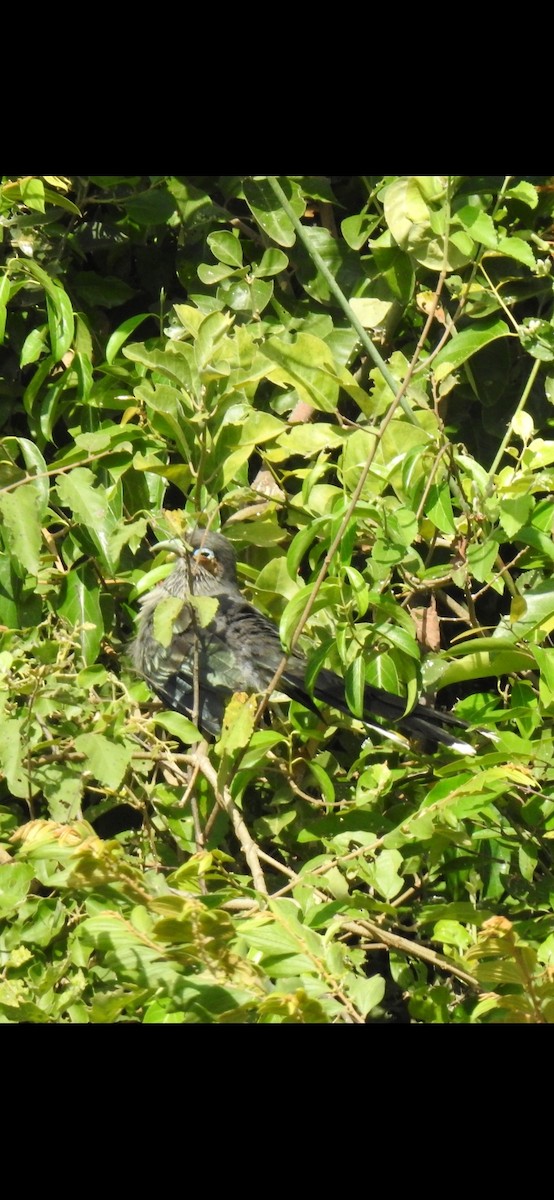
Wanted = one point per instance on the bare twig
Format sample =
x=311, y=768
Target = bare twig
x=412, y=949
x=224, y=798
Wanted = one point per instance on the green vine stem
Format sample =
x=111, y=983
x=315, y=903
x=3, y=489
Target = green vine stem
x=341, y=299
x=508, y=435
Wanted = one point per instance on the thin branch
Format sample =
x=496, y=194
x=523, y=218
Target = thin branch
x=413, y=950
x=224, y=798
x=10, y=487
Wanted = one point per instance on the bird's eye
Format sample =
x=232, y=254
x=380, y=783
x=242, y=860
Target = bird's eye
x=204, y=552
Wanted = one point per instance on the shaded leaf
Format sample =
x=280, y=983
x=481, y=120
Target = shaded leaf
x=106, y=760
x=79, y=604
x=21, y=521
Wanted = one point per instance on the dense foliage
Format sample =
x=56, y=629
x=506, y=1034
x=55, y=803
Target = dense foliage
x=352, y=377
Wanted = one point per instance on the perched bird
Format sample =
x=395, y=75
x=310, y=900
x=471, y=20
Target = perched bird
x=208, y=657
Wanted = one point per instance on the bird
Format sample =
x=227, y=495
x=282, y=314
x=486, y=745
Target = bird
x=212, y=652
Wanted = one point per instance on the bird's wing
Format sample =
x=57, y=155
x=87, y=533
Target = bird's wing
x=196, y=672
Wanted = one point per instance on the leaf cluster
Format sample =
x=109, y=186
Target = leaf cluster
x=352, y=377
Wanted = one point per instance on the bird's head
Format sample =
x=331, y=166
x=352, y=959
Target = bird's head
x=211, y=552
x=211, y=557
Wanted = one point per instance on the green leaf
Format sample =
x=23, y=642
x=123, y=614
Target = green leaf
x=205, y=608
x=238, y=724
x=41, y=920
x=515, y=513
x=167, y=415
x=4, y=297
x=539, y=453
x=33, y=388
x=210, y=336
x=479, y=224
x=79, y=491
x=523, y=425
x=538, y=611
x=300, y=544
x=62, y=786
x=226, y=247
x=179, y=726
x=165, y=616
x=32, y=193
x=272, y=262
x=281, y=951
x=525, y=192
x=260, y=742
x=106, y=760
x=102, y=291
x=19, y=606
x=119, y=336
x=404, y=208
x=127, y=953
x=257, y=427
x=537, y=337
x=60, y=322
x=307, y=364
x=381, y=672
x=11, y=757
x=452, y=933
x=236, y=294
x=403, y=639
x=383, y=873
x=366, y=994
x=128, y=535
x=357, y=229
x=481, y=558
x=463, y=345
x=60, y=313
x=340, y=261
x=172, y=362
x=402, y=525
x=79, y=604
x=210, y=273
x=540, y=541
x=370, y=311
x=15, y=881
x=328, y=594
x=34, y=346
x=61, y=201
x=479, y=665
x=324, y=783
x=261, y=291
x=153, y=207
x=266, y=209
x=385, y=556
x=527, y=861
x=354, y=685
x=416, y=217
x=516, y=248
x=545, y=662
x=21, y=521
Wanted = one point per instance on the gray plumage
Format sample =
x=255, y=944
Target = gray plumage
x=239, y=650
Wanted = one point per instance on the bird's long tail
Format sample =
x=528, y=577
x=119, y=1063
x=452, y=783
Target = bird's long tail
x=423, y=721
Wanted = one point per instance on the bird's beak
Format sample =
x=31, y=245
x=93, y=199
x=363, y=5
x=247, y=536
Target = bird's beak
x=174, y=545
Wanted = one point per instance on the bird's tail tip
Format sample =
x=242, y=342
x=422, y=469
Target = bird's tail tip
x=462, y=747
